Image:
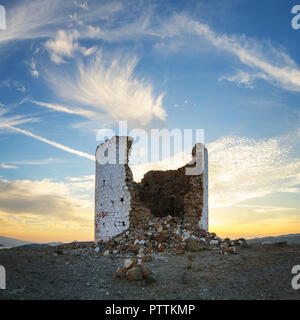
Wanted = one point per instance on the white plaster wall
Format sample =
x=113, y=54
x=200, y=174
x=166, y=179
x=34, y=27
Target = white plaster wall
x=111, y=213
x=203, y=223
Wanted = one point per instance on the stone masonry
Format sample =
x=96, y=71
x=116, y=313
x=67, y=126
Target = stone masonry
x=121, y=203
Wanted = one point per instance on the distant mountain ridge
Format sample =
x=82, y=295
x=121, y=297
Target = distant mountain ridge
x=11, y=242
x=289, y=238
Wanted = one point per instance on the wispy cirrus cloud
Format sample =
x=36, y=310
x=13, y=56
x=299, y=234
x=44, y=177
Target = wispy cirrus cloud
x=10, y=123
x=65, y=45
x=35, y=162
x=264, y=61
x=243, y=168
x=15, y=120
x=244, y=79
x=36, y=19
x=15, y=84
x=33, y=68
x=50, y=142
x=69, y=109
x=110, y=90
x=7, y=166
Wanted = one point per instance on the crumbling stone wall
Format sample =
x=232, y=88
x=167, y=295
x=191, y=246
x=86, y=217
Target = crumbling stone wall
x=121, y=202
x=163, y=192
x=175, y=193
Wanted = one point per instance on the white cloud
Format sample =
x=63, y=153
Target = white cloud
x=268, y=62
x=243, y=78
x=15, y=84
x=6, y=121
x=33, y=19
x=82, y=5
x=36, y=162
x=52, y=143
x=45, y=200
x=7, y=166
x=266, y=209
x=123, y=23
x=9, y=124
x=64, y=45
x=241, y=168
x=110, y=89
x=68, y=109
x=33, y=68
x=88, y=51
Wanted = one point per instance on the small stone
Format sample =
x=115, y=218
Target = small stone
x=161, y=248
x=169, y=218
x=106, y=253
x=121, y=273
x=158, y=238
x=130, y=262
x=193, y=245
x=186, y=236
x=178, y=237
x=97, y=249
x=117, y=240
x=190, y=262
x=147, y=258
x=140, y=255
x=230, y=250
x=134, y=274
x=145, y=272
x=180, y=252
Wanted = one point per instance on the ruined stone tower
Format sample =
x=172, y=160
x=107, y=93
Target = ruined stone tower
x=121, y=202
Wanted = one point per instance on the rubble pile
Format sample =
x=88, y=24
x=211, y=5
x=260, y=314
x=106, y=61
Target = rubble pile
x=166, y=235
x=133, y=270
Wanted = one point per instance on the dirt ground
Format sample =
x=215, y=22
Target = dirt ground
x=258, y=272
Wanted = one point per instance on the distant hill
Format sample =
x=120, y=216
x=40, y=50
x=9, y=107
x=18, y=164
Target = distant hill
x=11, y=242
x=289, y=238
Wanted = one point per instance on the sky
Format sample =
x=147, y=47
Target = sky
x=71, y=68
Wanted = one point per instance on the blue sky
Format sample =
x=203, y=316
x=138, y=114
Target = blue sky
x=69, y=68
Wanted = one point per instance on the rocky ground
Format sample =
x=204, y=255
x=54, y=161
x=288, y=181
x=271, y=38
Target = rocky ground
x=81, y=272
